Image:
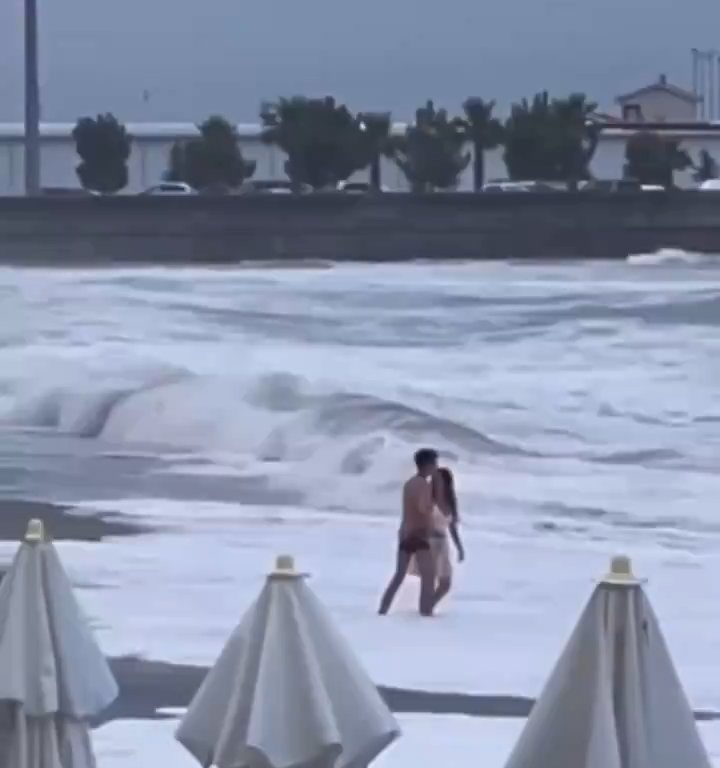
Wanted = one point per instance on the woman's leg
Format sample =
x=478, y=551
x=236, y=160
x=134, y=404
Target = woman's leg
x=426, y=566
x=444, y=571
x=401, y=567
x=443, y=587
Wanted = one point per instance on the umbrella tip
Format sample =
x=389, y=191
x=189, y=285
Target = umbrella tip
x=285, y=563
x=285, y=568
x=35, y=531
x=621, y=572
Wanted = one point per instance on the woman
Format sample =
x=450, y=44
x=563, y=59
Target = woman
x=445, y=525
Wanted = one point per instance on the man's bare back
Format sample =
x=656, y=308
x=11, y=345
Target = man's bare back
x=417, y=506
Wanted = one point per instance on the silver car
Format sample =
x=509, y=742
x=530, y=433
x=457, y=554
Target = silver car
x=170, y=188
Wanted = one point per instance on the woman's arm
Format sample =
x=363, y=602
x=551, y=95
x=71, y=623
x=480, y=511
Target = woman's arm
x=455, y=536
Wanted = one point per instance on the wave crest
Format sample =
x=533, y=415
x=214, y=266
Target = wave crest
x=670, y=256
x=275, y=418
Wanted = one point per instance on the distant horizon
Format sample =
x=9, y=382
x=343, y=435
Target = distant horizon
x=176, y=65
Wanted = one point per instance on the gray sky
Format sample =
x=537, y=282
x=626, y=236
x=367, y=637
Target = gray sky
x=226, y=56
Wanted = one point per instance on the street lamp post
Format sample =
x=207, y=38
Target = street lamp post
x=696, y=78
x=706, y=82
x=32, y=101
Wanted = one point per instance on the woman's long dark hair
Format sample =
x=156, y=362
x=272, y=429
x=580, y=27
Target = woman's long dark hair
x=448, y=482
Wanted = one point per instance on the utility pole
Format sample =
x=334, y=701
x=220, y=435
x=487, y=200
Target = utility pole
x=706, y=82
x=711, y=84
x=32, y=101
x=696, y=78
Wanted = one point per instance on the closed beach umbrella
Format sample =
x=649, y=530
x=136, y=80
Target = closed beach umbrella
x=287, y=690
x=53, y=676
x=614, y=699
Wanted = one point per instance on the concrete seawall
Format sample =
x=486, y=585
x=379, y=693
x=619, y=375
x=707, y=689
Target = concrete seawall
x=391, y=227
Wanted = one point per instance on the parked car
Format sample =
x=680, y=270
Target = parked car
x=170, y=188
x=274, y=187
x=524, y=186
x=506, y=186
x=710, y=185
x=610, y=185
x=358, y=187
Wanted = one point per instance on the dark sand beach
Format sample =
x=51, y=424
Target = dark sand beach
x=60, y=524
x=149, y=686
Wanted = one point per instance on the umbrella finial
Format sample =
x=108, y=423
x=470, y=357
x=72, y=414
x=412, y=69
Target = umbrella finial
x=285, y=568
x=35, y=531
x=621, y=573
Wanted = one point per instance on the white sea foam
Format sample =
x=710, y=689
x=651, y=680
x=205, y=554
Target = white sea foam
x=254, y=411
x=671, y=256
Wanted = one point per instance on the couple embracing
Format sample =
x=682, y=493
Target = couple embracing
x=429, y=519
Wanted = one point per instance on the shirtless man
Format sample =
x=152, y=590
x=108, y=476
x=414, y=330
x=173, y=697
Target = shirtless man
x=414, y=536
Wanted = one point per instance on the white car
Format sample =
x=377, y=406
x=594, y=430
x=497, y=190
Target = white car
x=274, y=187
x=710, y=185
x=524, y=186
x=170, y=188
x=358, y=187
x=507, y=186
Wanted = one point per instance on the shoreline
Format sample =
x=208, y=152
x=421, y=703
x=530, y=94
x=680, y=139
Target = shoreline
x=61, y=524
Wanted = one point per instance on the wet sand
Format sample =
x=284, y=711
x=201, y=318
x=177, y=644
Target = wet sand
x=148, y=686
x=60, y=524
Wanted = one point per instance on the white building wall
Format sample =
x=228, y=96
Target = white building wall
x=151, y=147
x=609, y=158
x=661, y=106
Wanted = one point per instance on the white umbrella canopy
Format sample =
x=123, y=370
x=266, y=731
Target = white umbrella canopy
x=287, y=690
x=53, y=676
x=614, y=699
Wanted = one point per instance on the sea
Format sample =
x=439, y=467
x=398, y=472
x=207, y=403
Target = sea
x=251, y=411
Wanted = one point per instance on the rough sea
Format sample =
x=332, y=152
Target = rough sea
x=249, y=412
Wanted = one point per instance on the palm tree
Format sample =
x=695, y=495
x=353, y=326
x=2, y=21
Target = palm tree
x=653, y=159
x=551, y=139
x=431, y=154
x=485, y=132
x=575, y=117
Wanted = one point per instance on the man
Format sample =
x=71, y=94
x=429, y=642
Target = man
x=414, y=536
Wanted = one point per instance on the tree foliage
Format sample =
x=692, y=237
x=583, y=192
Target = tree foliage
x=432, y=152
x=324, y=142
x=103, y=145
x=485, y=132
x=551, y=139
x=706, y=167
x=213, y=160
x=653, y=159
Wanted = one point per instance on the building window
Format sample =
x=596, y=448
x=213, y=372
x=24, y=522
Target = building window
x=632, y=113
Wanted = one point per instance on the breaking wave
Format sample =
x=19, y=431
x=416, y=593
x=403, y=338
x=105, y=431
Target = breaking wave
x=670, y=257
x=275, y=418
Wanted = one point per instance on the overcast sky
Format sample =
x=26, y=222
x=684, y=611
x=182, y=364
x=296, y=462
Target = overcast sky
x=226, y=56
